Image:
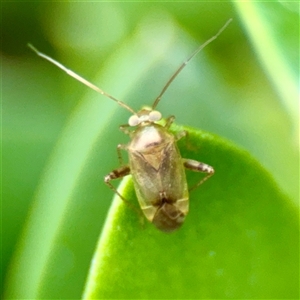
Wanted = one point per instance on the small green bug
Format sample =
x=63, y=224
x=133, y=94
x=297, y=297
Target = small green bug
x=155, y=163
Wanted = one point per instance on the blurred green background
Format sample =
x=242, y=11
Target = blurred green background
x=59, y=138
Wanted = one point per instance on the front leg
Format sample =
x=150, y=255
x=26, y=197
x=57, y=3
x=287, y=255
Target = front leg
x=169, y=121
x=124, y=128
x=197, y=166
x=119, y=153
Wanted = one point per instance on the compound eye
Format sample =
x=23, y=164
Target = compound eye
x=154, y=115
x=134, y=120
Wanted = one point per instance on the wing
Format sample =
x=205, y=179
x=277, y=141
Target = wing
x=158, y=176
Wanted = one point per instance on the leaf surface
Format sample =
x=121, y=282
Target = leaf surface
x=239, y=240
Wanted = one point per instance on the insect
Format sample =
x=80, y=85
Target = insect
x=155, y=163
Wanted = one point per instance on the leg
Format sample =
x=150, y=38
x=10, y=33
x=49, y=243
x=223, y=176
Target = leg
x=116, y=174
x=124, y=128
x=119, y=148
x=185, y=134
x=180, y=134
x=169, y=122
x=197, y=166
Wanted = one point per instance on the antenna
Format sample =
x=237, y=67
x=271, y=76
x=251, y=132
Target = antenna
x=79, y=78
x=186, y=62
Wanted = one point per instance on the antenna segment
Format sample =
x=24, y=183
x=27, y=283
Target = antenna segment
x=186, y=62
x=79, y=78
x=121, y=103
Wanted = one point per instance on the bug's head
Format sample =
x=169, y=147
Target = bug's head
x=168, y=218
x=145, y=116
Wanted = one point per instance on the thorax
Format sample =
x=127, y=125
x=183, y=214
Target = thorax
x=151, y=137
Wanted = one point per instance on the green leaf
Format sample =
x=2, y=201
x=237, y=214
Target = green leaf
x=239, y=240
x=55, y=156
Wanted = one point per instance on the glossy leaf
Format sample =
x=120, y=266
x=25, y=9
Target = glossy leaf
x=240, y=239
